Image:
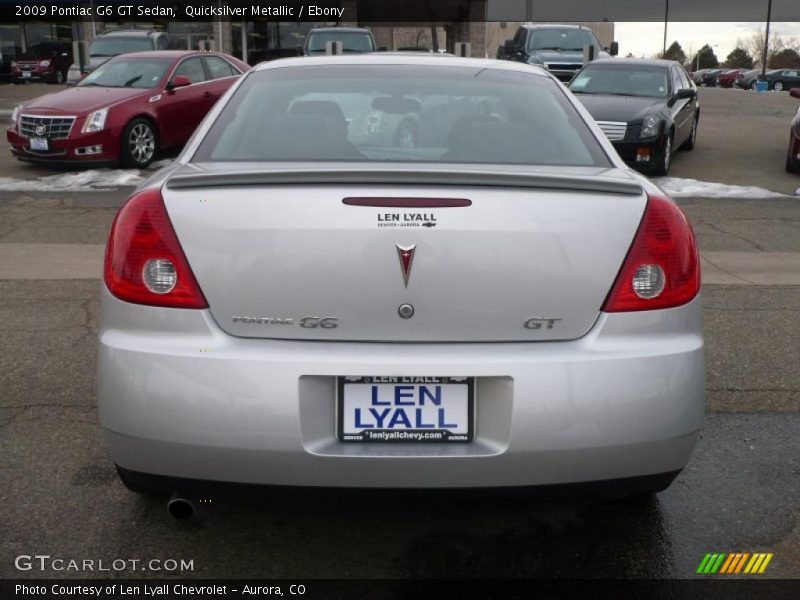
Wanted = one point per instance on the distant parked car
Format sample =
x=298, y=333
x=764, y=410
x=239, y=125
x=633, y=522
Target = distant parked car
x=727, y=78
x=645, y=107
x=746, y=79
x=793, y=154
x=783, y=79
x=125, y=110
x=113, y=43
x=709, y=78
x=48, y=61
x=697, y=76
x=556, y=48
x=355, y=40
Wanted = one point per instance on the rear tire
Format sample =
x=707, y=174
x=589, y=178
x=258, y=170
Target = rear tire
x=778, y=86
x=792, y=165
x=754, y=85
x=139, y=144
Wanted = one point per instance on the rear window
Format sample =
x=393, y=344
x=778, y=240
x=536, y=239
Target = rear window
x=114, y=46
x=396, y=113
x=352, y=41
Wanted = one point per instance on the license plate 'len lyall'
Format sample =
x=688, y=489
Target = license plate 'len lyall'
x=405, y=409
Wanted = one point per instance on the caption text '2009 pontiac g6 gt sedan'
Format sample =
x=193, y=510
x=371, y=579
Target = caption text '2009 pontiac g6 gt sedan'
x=497, y=301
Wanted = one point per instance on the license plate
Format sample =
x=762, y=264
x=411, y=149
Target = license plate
x=405, y=409
x=26, y=75
x=38, y=144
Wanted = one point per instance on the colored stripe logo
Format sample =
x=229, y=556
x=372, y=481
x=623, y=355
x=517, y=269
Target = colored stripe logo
x=733, y=563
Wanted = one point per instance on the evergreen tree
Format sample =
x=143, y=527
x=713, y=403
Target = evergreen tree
x=739, y=59
x=674, y=52
x=708, y=60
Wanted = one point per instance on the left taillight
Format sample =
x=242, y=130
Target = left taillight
x=144, y=262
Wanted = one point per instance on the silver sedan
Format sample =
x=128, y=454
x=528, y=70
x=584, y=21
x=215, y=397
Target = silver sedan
x=501, y=303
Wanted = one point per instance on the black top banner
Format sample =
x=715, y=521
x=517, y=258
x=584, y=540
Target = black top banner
x=400, y=11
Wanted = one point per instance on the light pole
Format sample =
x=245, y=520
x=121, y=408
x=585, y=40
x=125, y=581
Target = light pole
x=766, y=43
x=666, y=18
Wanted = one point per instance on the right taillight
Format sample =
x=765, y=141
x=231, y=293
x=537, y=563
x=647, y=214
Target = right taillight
x=662, y=268
x=145, y=263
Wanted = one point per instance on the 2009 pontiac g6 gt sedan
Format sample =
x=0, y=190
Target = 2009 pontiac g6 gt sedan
x=495, y=301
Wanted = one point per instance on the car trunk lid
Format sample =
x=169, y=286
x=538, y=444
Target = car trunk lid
x=294, y=253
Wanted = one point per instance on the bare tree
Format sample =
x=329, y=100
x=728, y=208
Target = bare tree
x=754, y=44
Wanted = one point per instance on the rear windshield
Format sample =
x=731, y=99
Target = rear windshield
x=113, y=46
x=396, y=113
x=352, y=41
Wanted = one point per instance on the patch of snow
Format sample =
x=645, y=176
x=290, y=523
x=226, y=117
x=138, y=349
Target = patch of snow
x=82, y=181
x=680, y=188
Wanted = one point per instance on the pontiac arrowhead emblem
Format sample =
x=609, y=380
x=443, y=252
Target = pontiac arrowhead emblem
x=406, y=256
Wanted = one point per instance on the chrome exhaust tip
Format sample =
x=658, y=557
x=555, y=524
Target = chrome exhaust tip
x=180, y=507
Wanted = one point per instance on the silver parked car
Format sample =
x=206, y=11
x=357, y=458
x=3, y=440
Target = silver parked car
x=502, y=303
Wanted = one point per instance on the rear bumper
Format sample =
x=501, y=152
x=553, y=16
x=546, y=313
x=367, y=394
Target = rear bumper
x=179, y=398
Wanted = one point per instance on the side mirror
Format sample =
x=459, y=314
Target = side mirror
x=795, y=93
x=613, y=50
x=685, y=93
x=179, y=81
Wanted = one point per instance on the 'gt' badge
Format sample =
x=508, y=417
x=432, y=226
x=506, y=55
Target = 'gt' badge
x=406, y=256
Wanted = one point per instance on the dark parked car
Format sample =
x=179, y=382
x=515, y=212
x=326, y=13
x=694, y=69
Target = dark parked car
x=557, y=48
x=709, y=78
x=793, y=154
x=645, y=107
x=125, y=110
x=727, y=78
x=48, y=61
x=783, y=79
x=697, y=76
x=354, y=40
x=113, y=43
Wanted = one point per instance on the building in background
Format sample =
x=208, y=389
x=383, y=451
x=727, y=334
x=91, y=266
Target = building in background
x=258, y=40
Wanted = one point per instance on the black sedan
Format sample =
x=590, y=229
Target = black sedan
x=709, y=78
x=783, y=79
x=645, y=107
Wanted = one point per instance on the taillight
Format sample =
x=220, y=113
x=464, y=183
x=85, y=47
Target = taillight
x=144, y=260
x=662, y=268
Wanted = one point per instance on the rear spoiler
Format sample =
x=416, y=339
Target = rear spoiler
x=595, y=182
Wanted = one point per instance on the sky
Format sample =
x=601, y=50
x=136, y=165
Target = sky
x=646, y=39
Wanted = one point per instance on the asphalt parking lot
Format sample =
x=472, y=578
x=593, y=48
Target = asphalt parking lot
x=741, y=491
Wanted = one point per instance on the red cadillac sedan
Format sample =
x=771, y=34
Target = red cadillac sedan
x=124, y=111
